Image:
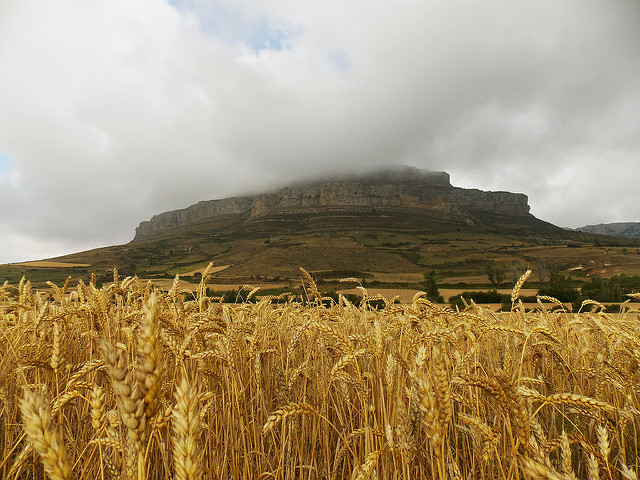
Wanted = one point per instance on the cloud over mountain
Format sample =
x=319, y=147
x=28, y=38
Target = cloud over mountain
x=114, y=111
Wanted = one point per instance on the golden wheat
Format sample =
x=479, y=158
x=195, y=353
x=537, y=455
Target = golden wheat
x=515, y=294
x=187, y=450
x=304, y=390
x=46, y=440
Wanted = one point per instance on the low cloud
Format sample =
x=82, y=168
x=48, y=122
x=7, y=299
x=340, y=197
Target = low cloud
x=114, y=112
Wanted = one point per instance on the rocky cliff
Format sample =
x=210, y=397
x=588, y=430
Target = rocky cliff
x=399, y=188
x=194, y=213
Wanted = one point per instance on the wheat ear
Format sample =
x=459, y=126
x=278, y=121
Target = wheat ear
x=20, y=460
x=539, y=471
x=98, y=414
x=593, y=469
x=36, y=417
x=131, y=406
x=518, y=286
x=56, y=356
x=313, y=288
x=627, y=473
x=149, y=369
x=286, y=411
x=187, y=455
x=565, y=456
x=488, y=437
x=366, y=469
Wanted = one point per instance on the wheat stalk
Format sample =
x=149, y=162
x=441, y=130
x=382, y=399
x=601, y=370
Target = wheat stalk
x=131, y=406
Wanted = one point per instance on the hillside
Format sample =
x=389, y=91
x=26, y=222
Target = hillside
x=389, y=227
x=621, y=229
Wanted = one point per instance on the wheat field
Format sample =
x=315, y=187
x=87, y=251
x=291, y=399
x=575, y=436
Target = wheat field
x=127, y=381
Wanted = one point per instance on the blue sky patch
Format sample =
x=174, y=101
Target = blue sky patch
x=263, y=37
x=6, y=163
x=232, y=24
x=340, y=60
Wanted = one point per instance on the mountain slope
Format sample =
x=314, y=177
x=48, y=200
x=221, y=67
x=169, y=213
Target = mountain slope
x=621, y=229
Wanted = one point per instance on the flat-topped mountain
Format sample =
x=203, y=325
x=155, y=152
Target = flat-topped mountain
x=389, y=226
x=620, y=229
x=406, y=189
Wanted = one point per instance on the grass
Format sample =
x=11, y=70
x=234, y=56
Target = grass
x=128, y=381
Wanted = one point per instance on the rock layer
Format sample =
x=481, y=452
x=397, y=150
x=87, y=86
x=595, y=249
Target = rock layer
x=401, y=188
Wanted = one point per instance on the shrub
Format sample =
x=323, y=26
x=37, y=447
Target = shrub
x=560, y=287
x=479, y=296
x=612, y=289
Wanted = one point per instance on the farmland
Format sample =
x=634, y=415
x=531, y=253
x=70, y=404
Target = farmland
x=130, y=381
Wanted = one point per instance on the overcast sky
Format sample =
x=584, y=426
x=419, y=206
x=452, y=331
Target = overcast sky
x=114, y=110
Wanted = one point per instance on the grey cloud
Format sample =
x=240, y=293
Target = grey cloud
x=119, y=111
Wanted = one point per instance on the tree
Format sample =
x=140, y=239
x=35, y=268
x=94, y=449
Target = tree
x=430, y=286
x=495, y=273
x=543, y=267
x=560, y=287
x=517, y=267
x=614, y=289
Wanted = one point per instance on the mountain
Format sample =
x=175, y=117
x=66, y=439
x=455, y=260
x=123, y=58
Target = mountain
x=404, y=190
x=389, y=226
x=621, y=229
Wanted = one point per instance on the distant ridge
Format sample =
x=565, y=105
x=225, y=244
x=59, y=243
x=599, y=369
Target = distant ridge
x=620, y=229
x=400, y=189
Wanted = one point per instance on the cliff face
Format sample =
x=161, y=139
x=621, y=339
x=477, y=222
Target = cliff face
x=404, y=189
x=357, y=196
x=194, y=213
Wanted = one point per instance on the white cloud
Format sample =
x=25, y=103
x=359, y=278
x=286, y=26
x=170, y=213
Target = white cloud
x=120, y=109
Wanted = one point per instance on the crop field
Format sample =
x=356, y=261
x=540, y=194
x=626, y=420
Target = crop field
x=128, y=381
